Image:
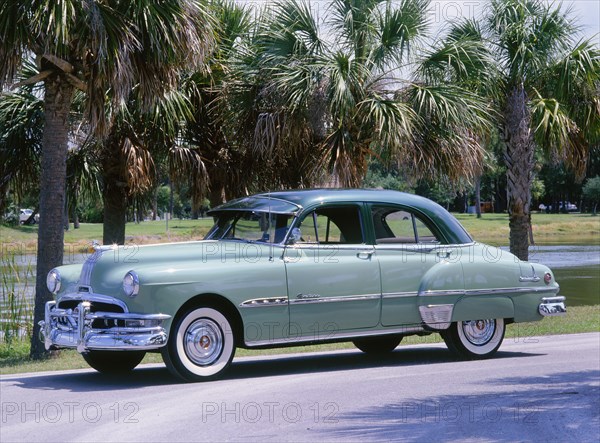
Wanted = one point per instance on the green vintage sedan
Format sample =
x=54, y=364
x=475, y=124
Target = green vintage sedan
x=296, y=267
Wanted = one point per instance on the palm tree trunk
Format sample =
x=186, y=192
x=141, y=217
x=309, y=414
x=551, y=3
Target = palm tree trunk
x=57, y=101
x=114, y=195
x=519, y=162
x=478, y=197
x=154, y=203
x=74, y=211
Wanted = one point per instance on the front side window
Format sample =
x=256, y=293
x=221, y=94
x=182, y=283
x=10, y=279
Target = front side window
x=250, y=226
x=394, y=225
x=332, y=225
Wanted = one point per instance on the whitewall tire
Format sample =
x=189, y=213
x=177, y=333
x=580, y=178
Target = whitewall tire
x=475, y=339
x=201, y=345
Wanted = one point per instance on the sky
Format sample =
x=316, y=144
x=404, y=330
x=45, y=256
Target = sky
x=587, y=12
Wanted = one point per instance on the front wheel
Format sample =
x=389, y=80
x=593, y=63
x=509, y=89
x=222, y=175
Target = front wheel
x=201, y=345
x=475, y=339
x=113, y=362
x=378, y=345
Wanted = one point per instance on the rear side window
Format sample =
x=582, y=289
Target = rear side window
x=332, y=225
x=394, y=225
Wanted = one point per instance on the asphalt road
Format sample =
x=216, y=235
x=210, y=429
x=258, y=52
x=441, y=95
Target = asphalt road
x=536, y=389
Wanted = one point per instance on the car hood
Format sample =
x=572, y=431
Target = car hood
x=104, y=270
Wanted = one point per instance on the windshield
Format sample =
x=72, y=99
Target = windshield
x=249, y=226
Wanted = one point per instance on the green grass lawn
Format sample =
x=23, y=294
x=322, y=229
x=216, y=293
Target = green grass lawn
x=548, y=229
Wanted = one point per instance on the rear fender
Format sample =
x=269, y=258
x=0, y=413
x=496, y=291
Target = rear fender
x=479, y=307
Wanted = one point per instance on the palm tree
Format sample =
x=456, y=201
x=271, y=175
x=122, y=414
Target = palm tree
x=338, y=100
x=97, y=47
x=546, y=96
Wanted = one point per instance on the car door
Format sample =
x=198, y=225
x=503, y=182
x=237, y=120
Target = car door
x=407, y=249
x=332, y=274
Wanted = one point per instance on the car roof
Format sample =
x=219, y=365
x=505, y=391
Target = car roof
x=314, y=197
x=299, y=199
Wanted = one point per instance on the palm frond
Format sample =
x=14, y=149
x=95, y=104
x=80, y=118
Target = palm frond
x=390, y=122
x=398, y=26
x=552, y=125
x=528, y=33
x=21, y=126
x=453, y=123
x=461, y=61
x=187, y=166
x=14, y=40
x=355, y=24
x=139, y=164
x=290, y=32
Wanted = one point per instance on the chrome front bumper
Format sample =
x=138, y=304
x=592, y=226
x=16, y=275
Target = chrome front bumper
x=73, y=328
x=552, y=306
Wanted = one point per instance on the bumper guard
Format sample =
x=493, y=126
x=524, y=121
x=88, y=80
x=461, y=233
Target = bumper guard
x=552, y=306
x=72, y=328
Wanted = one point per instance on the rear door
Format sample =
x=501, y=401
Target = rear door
x=407, y=247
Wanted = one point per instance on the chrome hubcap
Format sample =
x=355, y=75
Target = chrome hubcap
x=203, y=342
x=479, y=332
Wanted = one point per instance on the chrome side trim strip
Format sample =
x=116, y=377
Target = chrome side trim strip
x=494, y=291
x=391, y=295
x=264, y=302
x=439, y=292
x=509, y=290
x=342, y=299
x=406, y=330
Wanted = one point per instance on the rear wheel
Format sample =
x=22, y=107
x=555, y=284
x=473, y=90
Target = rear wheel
x=475, y=339
x=378, y=345
x=113, y=362
x=201, y=345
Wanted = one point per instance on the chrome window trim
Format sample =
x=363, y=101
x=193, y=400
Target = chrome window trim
x=420, y=247
x=361, y=247
x=410, y=329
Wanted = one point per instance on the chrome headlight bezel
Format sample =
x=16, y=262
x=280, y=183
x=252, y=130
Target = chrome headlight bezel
x=53, y=281
x=131, y=284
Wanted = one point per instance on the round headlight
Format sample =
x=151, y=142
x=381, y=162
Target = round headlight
x=131, y=284
x=547, y=278
x=53, y=281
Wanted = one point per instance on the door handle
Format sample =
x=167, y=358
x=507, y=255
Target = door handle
x=444, y=254
x=365, y=255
